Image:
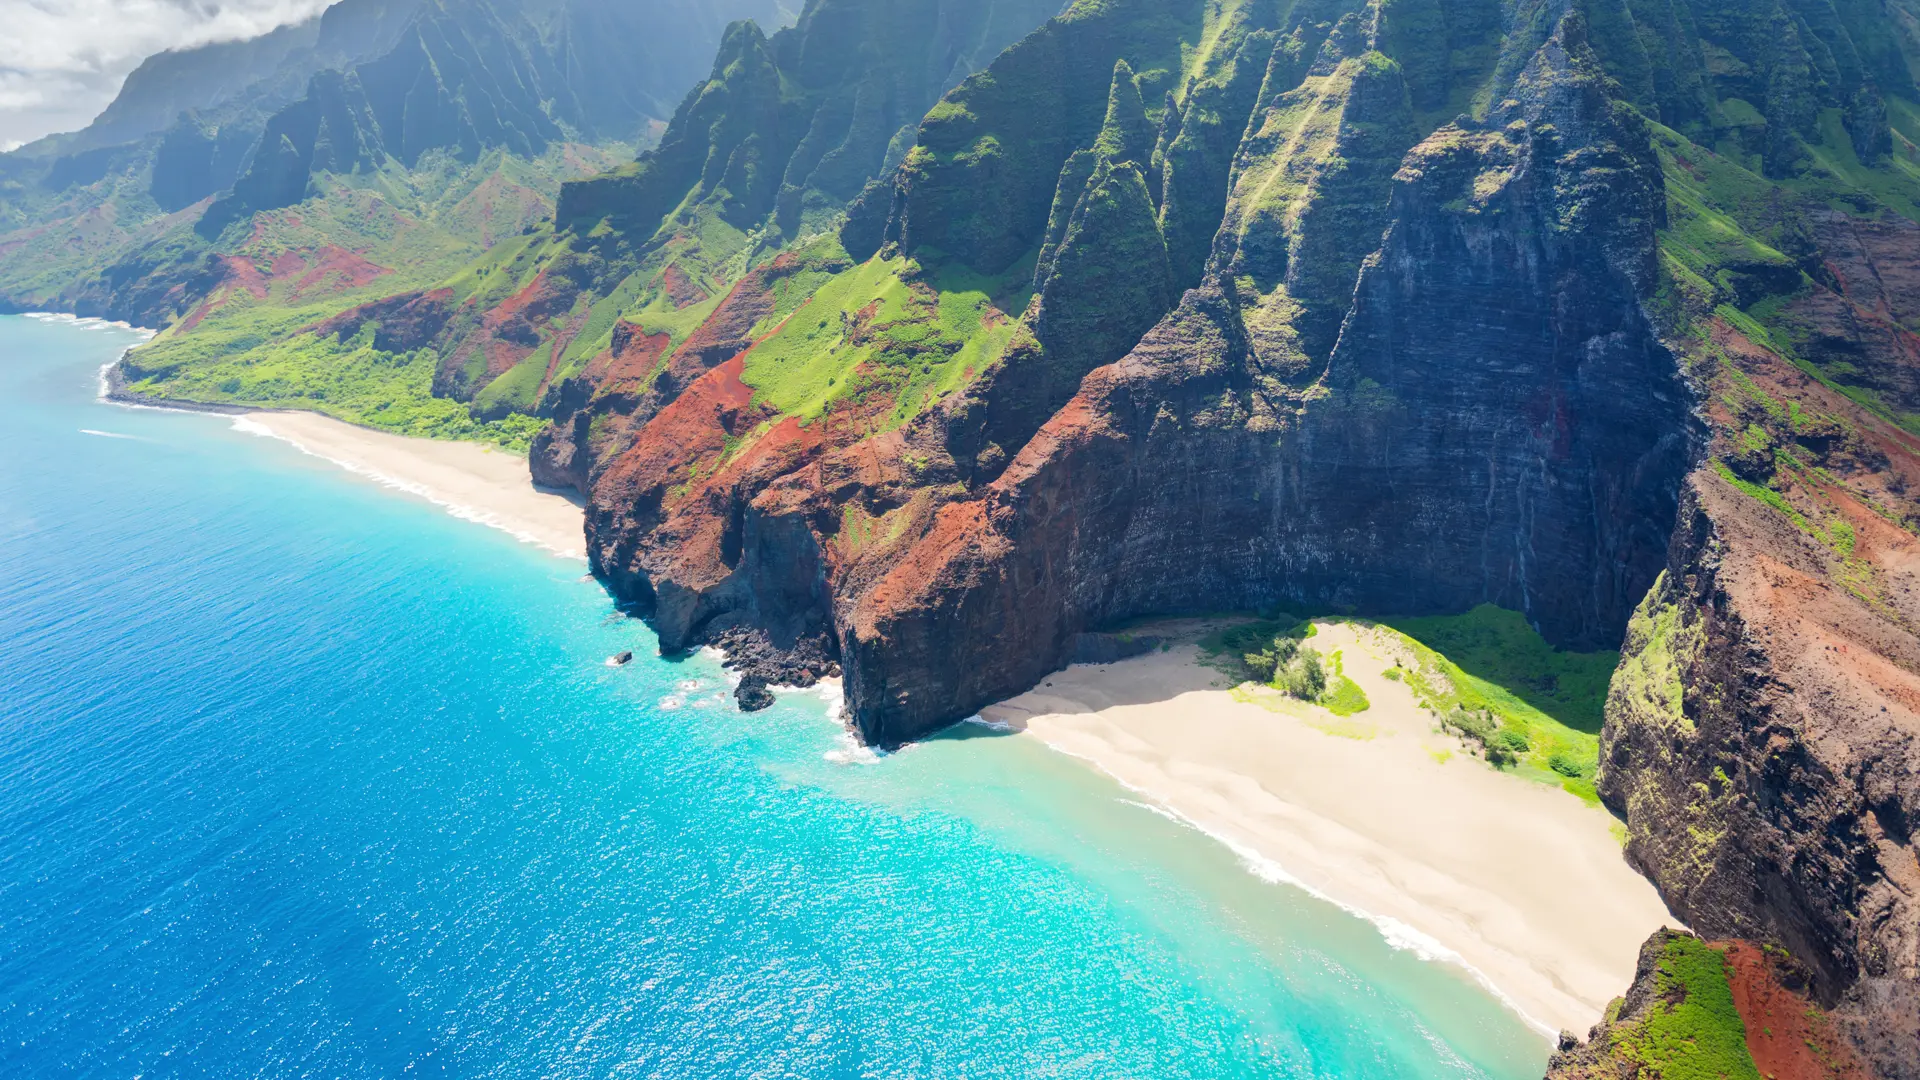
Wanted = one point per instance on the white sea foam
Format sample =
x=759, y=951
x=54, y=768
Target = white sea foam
x=828, y=690
x=852, y=752
x=1153, y=808
x=88, y=322
x=460, y=510
x=671, y=702
x=110, y=434
x=1397, y=934
x=990, y=725
x=834, y=693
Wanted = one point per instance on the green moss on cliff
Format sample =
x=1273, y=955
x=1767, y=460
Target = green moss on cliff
x=1309, y=201
x=1690, y=1030
x=1647, y=688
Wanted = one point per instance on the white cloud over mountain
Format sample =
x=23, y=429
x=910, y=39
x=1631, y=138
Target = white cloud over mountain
x=61, y=61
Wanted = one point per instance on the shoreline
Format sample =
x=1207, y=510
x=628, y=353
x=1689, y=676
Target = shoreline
x=471, y=481
x=1520, y=884
x=1231, y=791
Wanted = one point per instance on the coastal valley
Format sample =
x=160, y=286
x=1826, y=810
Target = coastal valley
x=1465, y=453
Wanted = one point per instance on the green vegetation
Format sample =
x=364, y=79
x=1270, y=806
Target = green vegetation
x=1691, y=1029
x=883, y=338
x=365, y=237
x=1489, y=677
x=349, y=381
x=1343, y=696
x=1504, y=658
x=1485, y=675
x=1316, y=170
x=1272, y=653
x=1648, y=688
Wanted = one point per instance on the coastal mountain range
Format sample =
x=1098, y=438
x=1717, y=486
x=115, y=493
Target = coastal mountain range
x=924, y=341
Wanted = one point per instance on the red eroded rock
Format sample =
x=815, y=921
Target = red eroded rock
x=403, y=323
x=1789, y=1037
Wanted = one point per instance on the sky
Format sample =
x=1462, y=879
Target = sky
x=61, y=61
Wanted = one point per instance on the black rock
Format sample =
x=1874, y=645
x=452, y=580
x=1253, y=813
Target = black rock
x=752, y=694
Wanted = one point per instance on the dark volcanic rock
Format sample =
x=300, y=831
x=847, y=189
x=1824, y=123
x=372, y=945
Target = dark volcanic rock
x=1498, y=423
x=1763, y=741
x=762, y=663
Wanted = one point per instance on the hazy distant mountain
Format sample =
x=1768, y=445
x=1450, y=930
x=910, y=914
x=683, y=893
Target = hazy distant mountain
x=467, y=75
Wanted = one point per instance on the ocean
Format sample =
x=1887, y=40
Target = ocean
x=300, y=777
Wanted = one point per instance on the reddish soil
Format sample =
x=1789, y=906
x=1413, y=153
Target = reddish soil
x=239, y=272
x=406, y=322
x=692, y=430
x=681, y=289
x=333, y=269
x=511, y=330
x=1789, y=1038
x=633, y=357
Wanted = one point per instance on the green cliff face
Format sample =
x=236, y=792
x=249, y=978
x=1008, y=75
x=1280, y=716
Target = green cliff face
x=1309, y=198
x=801, y=123
x=1677, y=1022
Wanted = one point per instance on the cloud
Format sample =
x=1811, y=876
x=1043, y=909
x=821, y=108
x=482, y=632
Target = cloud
x=61, y=61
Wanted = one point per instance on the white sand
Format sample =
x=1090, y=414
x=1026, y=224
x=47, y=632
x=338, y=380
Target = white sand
x=1521, y=882
x=471, y=481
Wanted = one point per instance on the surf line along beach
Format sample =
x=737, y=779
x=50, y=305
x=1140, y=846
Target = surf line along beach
x=469, y=480
x=1521, y=883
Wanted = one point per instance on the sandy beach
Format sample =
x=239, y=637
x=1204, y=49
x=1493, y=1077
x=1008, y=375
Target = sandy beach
x=471, y=481
x=1522, y=883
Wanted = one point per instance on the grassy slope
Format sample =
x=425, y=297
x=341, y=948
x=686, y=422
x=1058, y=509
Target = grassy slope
x=1722, y=259
x=1489, y=661
x=884, y=334
x=1691, y=1031
x=429, y=227
x=1486, y=662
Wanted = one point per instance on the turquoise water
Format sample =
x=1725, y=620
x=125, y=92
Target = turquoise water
x=300, y=777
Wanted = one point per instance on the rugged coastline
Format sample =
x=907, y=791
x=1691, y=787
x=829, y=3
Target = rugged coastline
x=1603, y=313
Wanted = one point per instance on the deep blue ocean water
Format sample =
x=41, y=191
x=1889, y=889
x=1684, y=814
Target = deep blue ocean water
x=303, y=778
